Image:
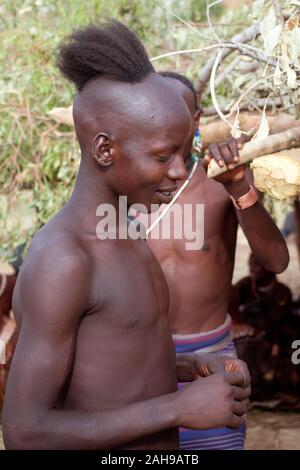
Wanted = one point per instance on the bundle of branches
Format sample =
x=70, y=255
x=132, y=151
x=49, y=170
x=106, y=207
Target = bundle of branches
x=262, y=66
x=271, y=67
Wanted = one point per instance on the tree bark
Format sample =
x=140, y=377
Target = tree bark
x=218, y=131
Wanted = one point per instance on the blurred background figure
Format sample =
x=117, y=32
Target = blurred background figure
x=8, y=327
x=266, y=323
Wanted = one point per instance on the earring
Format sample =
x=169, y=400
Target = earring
x=102, y=160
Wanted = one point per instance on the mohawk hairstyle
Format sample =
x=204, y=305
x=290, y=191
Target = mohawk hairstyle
x=107, y=50
x=182, y=79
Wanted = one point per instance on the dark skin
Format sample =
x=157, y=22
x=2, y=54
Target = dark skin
x=94, y=366
x=199, y=281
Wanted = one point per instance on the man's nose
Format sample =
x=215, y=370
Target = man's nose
x=177, y=170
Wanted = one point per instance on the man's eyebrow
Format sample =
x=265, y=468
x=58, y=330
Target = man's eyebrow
x=166, y=147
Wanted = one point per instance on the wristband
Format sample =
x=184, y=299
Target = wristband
x=245, y=201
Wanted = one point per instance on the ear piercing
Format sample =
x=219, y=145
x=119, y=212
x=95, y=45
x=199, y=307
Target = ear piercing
x=102, y=160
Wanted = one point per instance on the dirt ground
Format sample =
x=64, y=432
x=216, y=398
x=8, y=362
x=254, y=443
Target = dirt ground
x=273, y=431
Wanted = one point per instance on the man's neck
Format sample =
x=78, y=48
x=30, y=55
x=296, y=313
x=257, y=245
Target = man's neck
x=90, y=191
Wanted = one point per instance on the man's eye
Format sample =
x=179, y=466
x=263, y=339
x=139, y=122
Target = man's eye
x=164, y=158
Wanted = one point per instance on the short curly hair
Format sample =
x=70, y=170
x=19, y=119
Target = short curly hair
x=184, y=80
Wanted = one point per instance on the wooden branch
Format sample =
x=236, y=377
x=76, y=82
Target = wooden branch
x=245, y=36
x=255, y=54
x=217, y=131
x=259, y=103
x=244, y=68
x=273, y=143
x=227, y=71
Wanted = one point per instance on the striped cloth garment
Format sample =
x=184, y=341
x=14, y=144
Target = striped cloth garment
x=215, y=341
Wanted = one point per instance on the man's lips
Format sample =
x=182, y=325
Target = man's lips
x=167, y=191
x=166, y=194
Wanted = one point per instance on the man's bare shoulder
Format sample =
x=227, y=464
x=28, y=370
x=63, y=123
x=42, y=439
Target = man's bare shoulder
x=52, y=245
x=54, y=277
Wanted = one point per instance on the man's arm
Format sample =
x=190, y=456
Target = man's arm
x=51, y=297
x=264, y=237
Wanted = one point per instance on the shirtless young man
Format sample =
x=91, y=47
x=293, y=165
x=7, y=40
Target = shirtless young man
x=199, y=281
x=94, y=366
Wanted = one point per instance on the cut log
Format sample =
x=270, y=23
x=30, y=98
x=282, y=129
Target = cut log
x=278, y=174
x=218, y=131
x=259, y=148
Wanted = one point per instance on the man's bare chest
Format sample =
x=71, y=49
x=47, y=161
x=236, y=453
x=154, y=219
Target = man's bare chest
x=128, y=287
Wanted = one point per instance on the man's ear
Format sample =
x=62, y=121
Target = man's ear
x=102, y=149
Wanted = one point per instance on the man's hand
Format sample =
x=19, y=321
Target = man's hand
x=209, y=364
x=191, y=366
x=227, y=154
x=213, y=402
